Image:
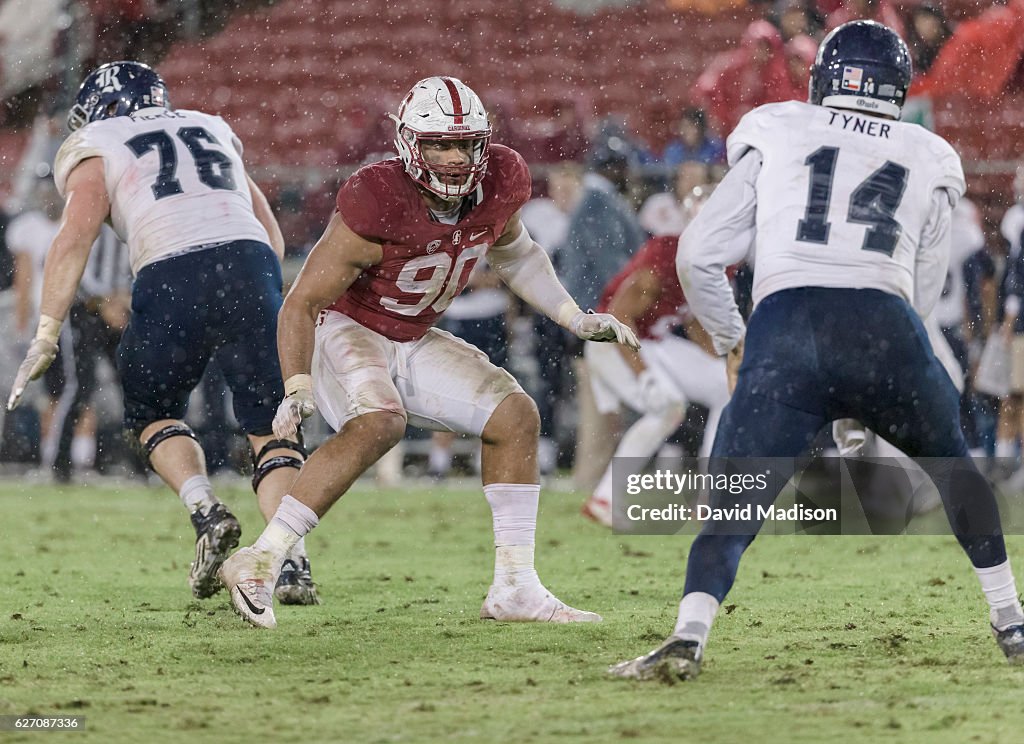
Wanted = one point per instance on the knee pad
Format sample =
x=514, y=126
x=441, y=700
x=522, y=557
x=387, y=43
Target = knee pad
x=262, y=468
x=171, y=430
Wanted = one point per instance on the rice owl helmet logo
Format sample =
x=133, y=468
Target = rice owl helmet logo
x=107, y=79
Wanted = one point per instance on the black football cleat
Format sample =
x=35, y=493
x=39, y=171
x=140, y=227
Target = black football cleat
x=1011, y=641
x=672, y=661
x=295, y=584
x=217, y=533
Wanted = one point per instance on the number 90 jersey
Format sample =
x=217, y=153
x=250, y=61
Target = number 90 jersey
x=842, y=197
x=175, y=181
x=426, y=263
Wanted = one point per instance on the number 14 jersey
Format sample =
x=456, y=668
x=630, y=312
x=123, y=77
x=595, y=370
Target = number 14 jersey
x=175, y=181
x=842, y=198
x=426, y=262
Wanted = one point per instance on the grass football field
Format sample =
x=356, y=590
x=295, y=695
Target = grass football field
x=858, y=639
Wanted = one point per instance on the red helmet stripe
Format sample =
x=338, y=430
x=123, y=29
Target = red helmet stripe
x=456, y=100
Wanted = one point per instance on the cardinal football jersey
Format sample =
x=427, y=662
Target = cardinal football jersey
x=175, y=179
x=426, y=262
x=669, y=310
x=842, y=198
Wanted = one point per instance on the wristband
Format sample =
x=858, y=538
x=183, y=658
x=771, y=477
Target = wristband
x=49, y=328
x=298, y=383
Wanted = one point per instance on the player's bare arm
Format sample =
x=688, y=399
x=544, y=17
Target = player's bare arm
x=335, y=262
x=86, y=208
x=265, y=215
x=634, y=297
x=526, y=269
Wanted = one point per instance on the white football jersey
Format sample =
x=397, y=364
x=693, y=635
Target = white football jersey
x=842, y=198
x=175, y=179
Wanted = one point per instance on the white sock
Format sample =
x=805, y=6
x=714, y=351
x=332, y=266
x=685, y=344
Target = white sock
x=697, y=612
x=1001, y=592
x=641, y=441
x=514, y=509
x=197, y=493
x=83, y=450
x=440, y=460
x=290, y=523
x=1006, y=448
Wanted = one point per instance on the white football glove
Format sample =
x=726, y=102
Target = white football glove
x=603, y=327
x=298, y=404
x=654, y=395
x=40, y=355
x=850, y=436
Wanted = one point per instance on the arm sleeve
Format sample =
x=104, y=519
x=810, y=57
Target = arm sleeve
x=525, y=267
x=720, y=236
x=932, y=261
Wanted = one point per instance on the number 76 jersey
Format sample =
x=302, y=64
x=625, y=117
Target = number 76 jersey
x=175, y=181
x=842, y=198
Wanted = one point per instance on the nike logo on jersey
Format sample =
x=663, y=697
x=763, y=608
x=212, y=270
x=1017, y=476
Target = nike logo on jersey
x=473, y=236
x=248, y=603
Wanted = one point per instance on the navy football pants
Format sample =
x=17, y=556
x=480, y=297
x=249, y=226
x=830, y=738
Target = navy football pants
x=814, y=355
x=219, y=302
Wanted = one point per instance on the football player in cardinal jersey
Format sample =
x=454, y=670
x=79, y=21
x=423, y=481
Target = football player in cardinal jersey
x=356, y=340
x=205, y=251
x=662, y=378
x=849, y=211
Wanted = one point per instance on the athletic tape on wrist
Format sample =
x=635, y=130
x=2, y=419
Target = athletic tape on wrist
x=49, y=328
x=296, y=383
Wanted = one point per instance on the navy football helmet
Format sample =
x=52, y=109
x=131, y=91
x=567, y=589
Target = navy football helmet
x=117, y=89
x=862, y=65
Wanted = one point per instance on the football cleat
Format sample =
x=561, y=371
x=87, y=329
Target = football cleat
x=673, y=660
x=1011, y=641
x=217, y=533
x=295, y=584
x=598, y=510
x=531, y=604
x=249, y=576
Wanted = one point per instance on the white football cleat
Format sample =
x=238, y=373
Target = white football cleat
x=249, y=576
x=531, y=604
x=598, y=509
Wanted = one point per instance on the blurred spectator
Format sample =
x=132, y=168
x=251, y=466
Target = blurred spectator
x=800, y=54
x=695, y=142
x=738, y=81
x=797, y=18
x=553, y=131
x=28, y=33
x=927, y=31
x=547, y=219
x=983, y=56
x=883, y=11
x=665, y=213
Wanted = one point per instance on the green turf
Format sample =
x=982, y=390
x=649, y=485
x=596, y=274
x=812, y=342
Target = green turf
x=852, y=639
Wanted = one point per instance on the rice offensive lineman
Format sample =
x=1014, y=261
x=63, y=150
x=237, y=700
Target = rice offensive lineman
x=205, y=250
x=849, y=210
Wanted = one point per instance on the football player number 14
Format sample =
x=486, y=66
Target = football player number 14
x=872, y=203
x=212, y=166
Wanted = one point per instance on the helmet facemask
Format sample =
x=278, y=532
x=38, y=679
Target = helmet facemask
x=443, y=110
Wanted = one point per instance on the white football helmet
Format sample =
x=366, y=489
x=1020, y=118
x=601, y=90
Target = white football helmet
x=443, y=108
